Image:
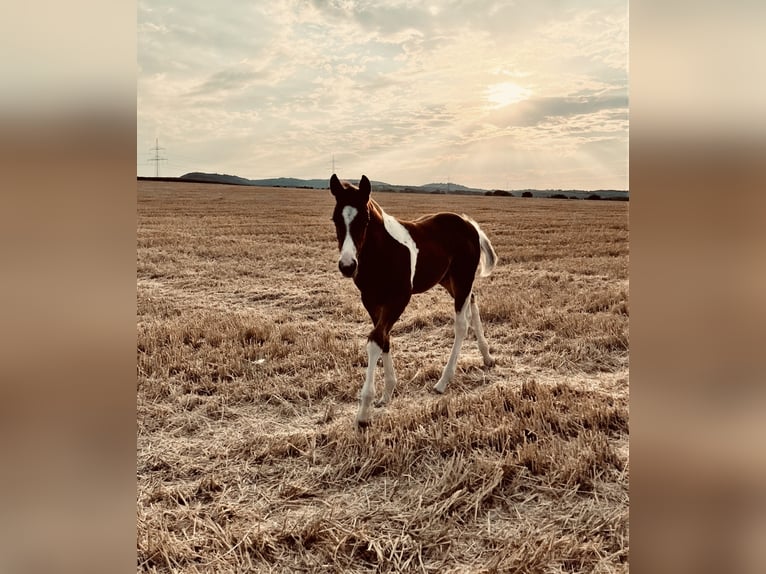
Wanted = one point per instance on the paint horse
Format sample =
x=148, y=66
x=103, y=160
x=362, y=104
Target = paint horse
x=391, y=259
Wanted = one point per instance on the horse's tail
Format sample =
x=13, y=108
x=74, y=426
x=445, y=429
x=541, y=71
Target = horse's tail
x=488, y=257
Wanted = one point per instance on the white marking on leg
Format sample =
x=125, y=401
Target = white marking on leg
x=368, y=389
x=348, y=249
x=390, y=379
x=461, y=328
x=396, y=230
x=479, y=330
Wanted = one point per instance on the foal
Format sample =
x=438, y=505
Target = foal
x=391, y=259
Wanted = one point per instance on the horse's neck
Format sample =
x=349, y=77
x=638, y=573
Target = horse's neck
x=376, y=212
x=376, y=230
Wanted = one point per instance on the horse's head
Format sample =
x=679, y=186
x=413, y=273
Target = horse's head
x=351, y=217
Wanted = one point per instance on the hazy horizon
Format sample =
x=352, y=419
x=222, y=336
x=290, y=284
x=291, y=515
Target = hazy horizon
x=355, y=180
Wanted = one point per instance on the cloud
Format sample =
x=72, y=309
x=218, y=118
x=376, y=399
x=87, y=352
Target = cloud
x=278, y=87
x=537, y=110
x=239, y=77
x=231, y=79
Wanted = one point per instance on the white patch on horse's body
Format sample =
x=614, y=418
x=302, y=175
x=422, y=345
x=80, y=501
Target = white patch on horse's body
x=400, y=233
x=348, y=250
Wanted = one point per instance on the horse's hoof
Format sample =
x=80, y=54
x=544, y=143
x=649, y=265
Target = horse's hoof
x=489, y=363
x=439, y=389
x=362, y=425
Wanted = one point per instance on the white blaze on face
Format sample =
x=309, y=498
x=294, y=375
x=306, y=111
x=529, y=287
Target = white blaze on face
x=400, y=233
x=348, y=249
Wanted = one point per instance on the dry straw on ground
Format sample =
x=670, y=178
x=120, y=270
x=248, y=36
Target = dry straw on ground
x=250, y=360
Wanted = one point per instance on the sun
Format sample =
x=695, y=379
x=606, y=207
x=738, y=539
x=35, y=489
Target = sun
x=505, y=93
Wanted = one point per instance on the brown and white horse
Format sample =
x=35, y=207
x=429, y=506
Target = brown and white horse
x=391, y=259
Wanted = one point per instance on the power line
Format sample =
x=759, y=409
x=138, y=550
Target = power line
x=157, y=159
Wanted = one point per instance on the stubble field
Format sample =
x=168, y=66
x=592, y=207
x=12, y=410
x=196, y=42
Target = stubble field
x=250, y=359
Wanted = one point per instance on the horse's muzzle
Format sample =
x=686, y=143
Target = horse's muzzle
x=348, y=269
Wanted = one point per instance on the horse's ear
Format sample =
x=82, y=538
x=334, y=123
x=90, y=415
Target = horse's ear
x=335, y=185
x=364, y=186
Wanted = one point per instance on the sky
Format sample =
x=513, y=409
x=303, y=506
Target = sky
x=488, y=94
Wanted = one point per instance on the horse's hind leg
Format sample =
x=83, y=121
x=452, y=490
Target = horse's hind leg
x=461, y=328
x=489, y=361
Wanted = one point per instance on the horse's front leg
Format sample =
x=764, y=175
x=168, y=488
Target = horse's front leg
x=378, y=344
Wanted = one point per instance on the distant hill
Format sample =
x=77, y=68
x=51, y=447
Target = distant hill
x=291, y=182
x=235, y=180
x=440, y=188
x=197, y=176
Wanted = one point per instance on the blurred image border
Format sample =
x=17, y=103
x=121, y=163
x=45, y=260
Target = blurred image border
x=697, y=283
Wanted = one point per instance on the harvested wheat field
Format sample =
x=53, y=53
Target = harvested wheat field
x=251, y=355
